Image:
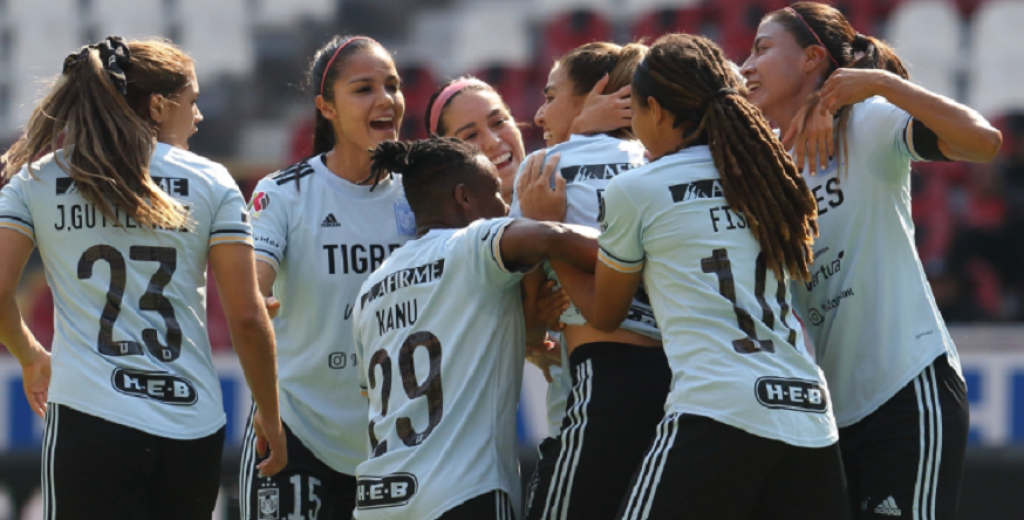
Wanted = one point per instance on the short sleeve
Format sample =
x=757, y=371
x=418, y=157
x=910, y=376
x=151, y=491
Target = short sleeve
x=231, y=220
x=621, y=243
x=14, y=210
x=886, y=130
x=480, y=246
x=269, y=217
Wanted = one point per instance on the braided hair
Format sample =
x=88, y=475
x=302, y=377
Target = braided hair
x=431, y=168
x=690, y=77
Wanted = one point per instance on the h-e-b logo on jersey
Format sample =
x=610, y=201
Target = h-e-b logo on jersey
x=157, y=386
x=791, y=394
x=392, y=490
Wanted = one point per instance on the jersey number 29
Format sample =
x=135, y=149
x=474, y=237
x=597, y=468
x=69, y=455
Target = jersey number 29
x=431, y=388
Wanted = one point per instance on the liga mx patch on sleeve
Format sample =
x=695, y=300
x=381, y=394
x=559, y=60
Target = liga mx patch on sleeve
x=259, y=203
x=405, y=220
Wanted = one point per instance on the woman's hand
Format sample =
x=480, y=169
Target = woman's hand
x=536, y=198
x=35, y=377
x=811, y=137
x=544, y=356
x=270, y=435
x=850, y=86
x=273, y=305
x=603, y=112
x=551, y=303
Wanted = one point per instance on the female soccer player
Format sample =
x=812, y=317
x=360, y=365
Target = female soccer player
x=125, y=219
x=620, y=379
x=899, y=396
x=715, y=225
x=319, y=232
x=473, y=111
x=439, y=330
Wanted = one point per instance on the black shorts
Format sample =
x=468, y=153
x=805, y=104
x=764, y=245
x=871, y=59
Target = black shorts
x=906, y=459
x=305, y=488
x=617, y=400
x=94, y=468
x=703, y=469
x=493, y=505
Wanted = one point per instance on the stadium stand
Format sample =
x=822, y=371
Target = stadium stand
x=217, y=34
x=933, y=56
x=995, y=57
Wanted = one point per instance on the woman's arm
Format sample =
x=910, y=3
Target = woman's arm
x=963, y=134
x=234, y=268
x=265, y=277
x=537, y=200
x=603, y=297
x=14, y=332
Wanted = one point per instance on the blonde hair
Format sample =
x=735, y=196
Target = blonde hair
x=108, y=136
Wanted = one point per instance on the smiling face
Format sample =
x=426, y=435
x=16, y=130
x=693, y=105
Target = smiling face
x=480, y=117
x=779, y=73
x=176, y=117
x=560, y=107
x=366, y=105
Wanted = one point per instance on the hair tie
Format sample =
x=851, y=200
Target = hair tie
x=444, y=96
x=335, y=55
x=808, y=26
x=114, y=55
x=725, y=91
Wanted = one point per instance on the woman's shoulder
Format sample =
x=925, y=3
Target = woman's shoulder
x=166, y=159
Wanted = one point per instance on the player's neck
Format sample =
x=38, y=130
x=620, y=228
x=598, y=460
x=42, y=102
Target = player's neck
x=349, y=163
x=447, y=220
x=782, y=114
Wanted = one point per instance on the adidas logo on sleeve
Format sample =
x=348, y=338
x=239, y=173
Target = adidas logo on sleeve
x=888, y=507
x=330, y=221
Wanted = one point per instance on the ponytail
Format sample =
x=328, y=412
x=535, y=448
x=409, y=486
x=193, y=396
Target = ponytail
x=871, y=53
x=813, y=23
x=99, y=106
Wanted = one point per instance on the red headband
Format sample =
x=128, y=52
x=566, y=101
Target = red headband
x=444, y=96
x=335, y=55
x=808, y=26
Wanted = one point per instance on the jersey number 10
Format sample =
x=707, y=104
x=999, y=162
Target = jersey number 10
x=431, y=388
x=720, y=265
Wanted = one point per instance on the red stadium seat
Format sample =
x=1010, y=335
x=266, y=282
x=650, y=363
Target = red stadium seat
x=417, y=86
x=570, y=30
x=516, y=87
x=737, y=24
x=651, y=25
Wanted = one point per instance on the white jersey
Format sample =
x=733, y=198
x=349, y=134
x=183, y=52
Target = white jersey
x=324, y=236
x=868, y=307
x=130, y=342
x=441, y=338
x=736, y=352
x=588, y=164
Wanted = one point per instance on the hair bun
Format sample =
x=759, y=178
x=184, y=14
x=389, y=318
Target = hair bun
x=392, y=156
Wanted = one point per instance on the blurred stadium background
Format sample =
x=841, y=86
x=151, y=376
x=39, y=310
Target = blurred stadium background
x=252, y=56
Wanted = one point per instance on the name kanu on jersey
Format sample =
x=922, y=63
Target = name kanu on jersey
x=397, y=316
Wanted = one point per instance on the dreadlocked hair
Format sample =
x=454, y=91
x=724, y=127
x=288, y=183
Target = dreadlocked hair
x=690, y=77
x=430, y=168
